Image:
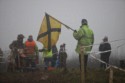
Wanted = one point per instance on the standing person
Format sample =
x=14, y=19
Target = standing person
x=58, y=57
x=31, y=52
x=63, y=56
x=54, y=57
x=85, y=37
x=15, y=46
x=105, y=46
x=47, y=55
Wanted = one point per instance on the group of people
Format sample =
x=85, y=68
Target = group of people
x=23, y=54
x=85, y=37
x=28, y=56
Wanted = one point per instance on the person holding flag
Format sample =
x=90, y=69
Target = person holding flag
x=85, y=37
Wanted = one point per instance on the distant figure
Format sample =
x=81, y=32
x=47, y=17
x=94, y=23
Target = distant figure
x=58, y=62
x=105, y=46
x=1, y=52
x=54, y=57
x=31, y=51
x=15, y=47
x=85, y=37
x=62, y=56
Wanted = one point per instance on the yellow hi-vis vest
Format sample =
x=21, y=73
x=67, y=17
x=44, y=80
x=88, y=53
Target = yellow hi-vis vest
x=47, y=54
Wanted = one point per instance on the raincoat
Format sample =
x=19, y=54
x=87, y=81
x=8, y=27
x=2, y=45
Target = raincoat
x=85, y=37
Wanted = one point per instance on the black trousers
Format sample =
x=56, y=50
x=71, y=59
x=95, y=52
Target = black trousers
x=104, y=58
x=85, y=61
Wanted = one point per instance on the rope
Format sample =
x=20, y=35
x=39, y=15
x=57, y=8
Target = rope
x=89, y=52
x=105, y=62
x=95, y=53
x=121, y=45
x=104, y=42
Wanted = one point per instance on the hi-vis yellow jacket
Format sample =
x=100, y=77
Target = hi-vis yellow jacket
x=47, y=54
x=85, y=37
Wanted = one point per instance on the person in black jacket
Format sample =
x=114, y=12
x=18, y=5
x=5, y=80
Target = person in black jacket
x=54, y=57
x=105, y=46
x=63, y=56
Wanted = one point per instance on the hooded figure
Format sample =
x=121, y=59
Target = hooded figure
x=15, y=46
x=31, y=51
x=105, y=46
x=62, y=56
x=85, y=37
x=17, y=43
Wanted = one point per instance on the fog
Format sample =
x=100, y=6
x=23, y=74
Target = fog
x=105, y=17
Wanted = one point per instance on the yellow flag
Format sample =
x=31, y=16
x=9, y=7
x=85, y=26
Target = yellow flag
x=49, y=32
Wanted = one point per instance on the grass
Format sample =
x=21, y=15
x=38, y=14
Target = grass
x=60, y=76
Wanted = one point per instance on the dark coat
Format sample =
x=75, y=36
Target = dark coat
x=16, y=44
x=105, y=47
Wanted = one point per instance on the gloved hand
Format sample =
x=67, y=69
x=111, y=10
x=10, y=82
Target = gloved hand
x=75, y=31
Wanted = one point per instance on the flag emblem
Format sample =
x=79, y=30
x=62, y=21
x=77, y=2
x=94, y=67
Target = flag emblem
x=49, y=32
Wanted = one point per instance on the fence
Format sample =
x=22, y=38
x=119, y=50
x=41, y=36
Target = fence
x=92, y=54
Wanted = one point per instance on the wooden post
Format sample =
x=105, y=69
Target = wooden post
x=111, y=75
x=82, y=65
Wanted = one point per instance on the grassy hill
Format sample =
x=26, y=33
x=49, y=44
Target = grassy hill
x=60, y=76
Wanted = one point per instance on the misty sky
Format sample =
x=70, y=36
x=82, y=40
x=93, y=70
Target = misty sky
x=105, y=17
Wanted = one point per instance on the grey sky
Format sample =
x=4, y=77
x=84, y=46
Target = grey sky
x=105, y=17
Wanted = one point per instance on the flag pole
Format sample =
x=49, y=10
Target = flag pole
x=61, y=23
